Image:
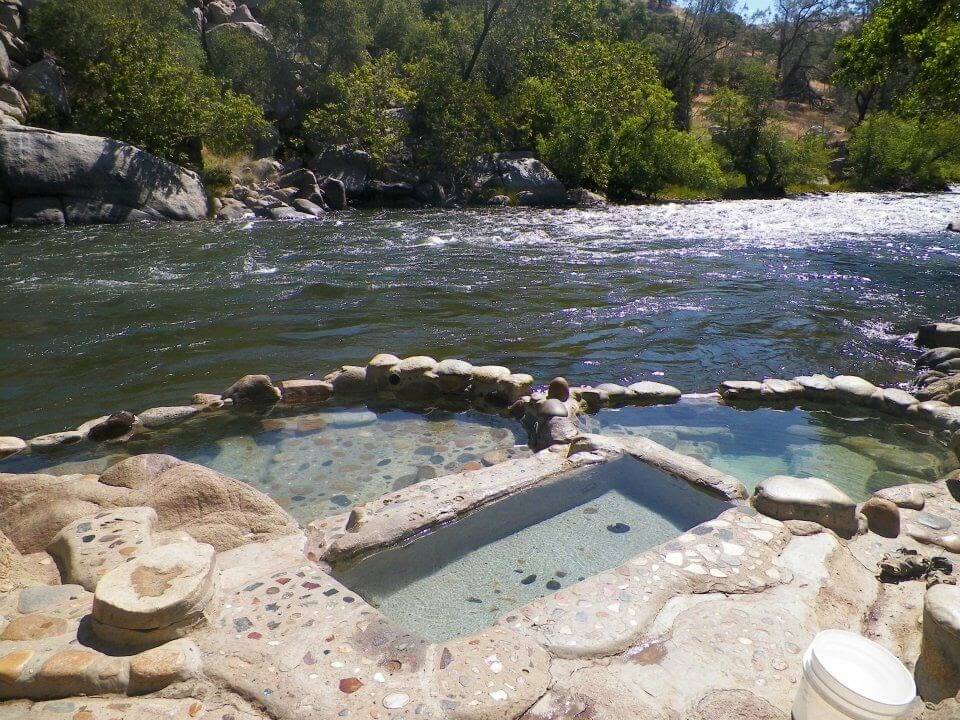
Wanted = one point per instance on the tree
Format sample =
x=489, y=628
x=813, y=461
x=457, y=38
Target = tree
x=577, y=109
x=800, y=27
x=705, y=29
x=908, y=54
x=755, y=145
x=645, y=161
x=454, y=120
x=140, y=79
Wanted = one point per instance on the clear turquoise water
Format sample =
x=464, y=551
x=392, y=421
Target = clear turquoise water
x=858, y=452
x=320, y=463
x=464, y=576
x=112, y=318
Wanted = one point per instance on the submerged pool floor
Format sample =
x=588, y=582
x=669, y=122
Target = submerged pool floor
x=464, y=576
x=859, y=453
x=321, y=463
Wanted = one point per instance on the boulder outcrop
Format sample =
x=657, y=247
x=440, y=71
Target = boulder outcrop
x=522, y=175
x=211, y=507
x=48, y=175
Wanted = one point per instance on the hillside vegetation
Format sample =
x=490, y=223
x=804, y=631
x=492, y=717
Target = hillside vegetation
x=632, y=99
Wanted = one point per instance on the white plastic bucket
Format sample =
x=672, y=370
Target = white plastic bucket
x=847, y=677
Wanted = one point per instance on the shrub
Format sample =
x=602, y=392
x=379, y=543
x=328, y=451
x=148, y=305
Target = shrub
x=755, y=145
x=645, y=162
x=887, y=152
x=135, y=75
x=577, y=109
x=454, y=120
x=366, y=110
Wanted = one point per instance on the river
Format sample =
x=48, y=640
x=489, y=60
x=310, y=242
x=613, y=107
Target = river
x=98, y=319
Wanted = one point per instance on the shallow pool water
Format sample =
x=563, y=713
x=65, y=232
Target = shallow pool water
x=465, y=575
x=859, y=452
x=320, y=463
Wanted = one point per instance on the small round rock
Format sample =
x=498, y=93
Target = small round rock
x=558, y=389
x=552, y=408
x=10, y=445
x=395, y=701
x=883, y=517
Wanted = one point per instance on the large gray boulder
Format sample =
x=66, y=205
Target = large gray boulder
x=36, y=163
x=6, y=69
x=934, y=335
x=351, y=167
x=523, y=175
x=44, y=79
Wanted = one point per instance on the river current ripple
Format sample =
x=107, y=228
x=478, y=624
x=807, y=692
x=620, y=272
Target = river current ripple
x=108, y=318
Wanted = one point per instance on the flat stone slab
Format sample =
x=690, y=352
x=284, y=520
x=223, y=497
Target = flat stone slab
x=88, y=548
x=10, y=445
x=789, y=498
x=166, y=585
x=161, y=416
x=117, y=708
x=42, y=597
x=652, y=393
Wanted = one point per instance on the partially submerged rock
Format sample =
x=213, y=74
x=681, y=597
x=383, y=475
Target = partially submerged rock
x=11, y=445
x=253, y=390
x=934, y=335
x=790, y=498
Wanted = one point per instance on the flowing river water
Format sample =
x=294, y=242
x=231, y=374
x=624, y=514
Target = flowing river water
x=107, y=318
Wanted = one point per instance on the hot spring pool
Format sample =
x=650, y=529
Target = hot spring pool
x=858, y=452
x=315, y=464
x=462, y=577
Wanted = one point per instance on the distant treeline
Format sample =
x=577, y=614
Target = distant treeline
x=633, y=98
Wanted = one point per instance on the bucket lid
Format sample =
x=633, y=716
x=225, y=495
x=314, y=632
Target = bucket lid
x=861, y=672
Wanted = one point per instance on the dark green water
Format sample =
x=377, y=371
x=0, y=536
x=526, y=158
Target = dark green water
x=101, y=319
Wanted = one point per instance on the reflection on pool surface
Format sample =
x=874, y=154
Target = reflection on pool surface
x=463, y=576
x=320, y=463
x=859, y=453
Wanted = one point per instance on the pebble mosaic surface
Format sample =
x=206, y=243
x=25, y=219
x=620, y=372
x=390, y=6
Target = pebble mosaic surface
x=463, y=577
x=734, y=553
x=859, y=454
x=321, y=463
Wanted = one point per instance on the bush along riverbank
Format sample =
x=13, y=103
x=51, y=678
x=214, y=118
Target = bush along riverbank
x=409, y=104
